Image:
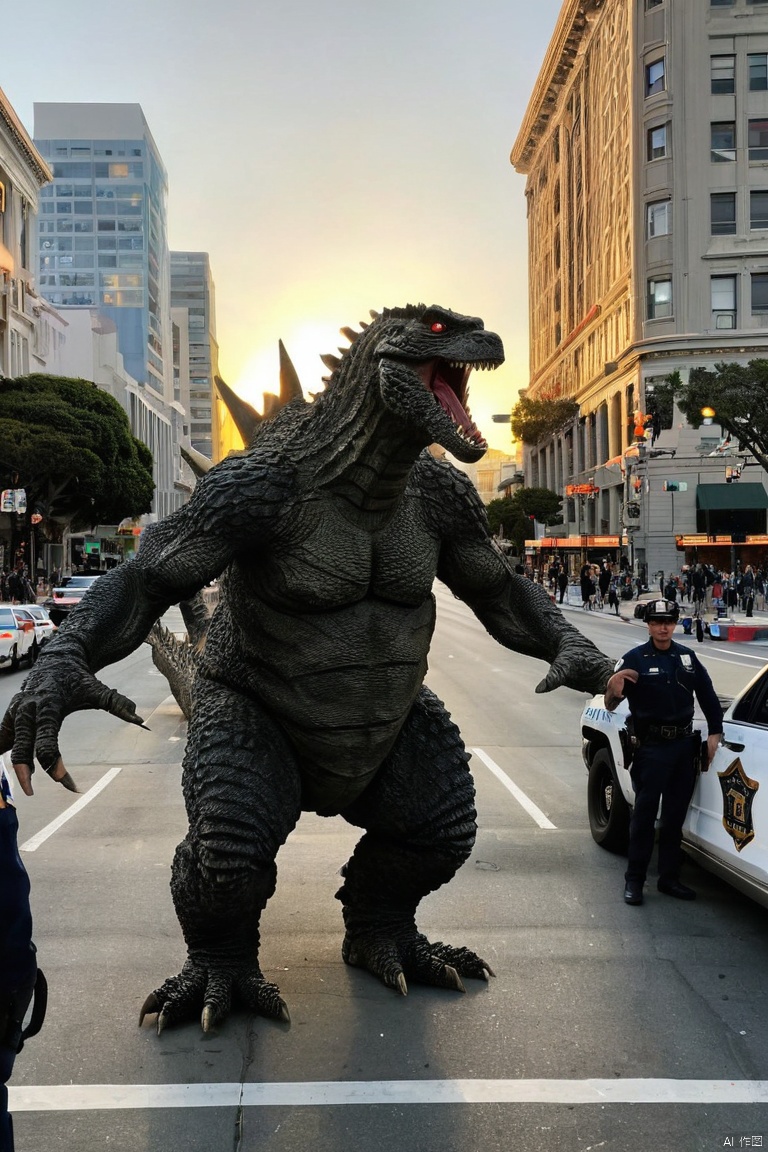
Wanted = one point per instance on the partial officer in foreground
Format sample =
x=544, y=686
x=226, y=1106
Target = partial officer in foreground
x=20, y=978
x=659, y=680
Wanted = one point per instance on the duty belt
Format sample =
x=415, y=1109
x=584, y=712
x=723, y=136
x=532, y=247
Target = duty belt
x=669, y=731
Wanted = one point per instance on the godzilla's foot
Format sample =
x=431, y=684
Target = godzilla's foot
x=393, y=959
x=214, y=989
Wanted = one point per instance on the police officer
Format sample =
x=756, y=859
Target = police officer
x=659, y=680
x=20, y=978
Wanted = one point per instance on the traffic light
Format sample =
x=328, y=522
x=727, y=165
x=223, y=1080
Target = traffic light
x=632, y=510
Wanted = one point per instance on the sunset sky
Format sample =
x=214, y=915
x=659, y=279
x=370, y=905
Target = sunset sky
x=331, y=156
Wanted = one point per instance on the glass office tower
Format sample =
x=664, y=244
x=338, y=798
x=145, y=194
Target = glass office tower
x=103, y=228
x=192, y=289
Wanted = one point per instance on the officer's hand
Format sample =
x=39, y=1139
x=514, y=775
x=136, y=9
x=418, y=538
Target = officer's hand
x=713, y=743
x=615, y=689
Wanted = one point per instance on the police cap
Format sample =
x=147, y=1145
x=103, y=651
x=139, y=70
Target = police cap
x=661, y=610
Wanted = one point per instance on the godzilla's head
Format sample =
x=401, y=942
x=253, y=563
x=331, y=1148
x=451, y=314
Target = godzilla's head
x=425, y=357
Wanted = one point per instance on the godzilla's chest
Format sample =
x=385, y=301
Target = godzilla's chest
x=327, y=561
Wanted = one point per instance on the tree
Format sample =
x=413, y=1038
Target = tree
x=70, y=446
x=738, y=393
x=535, y=420
x=514, y=514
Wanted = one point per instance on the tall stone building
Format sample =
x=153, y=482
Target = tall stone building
x=645, y=146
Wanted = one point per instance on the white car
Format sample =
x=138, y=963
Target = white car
x=17, y=636
x=726, y=828
x=43, y=625
x=67, y=595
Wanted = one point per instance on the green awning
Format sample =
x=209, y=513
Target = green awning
x=726, y=497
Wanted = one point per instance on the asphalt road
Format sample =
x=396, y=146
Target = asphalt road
x=623, y=1029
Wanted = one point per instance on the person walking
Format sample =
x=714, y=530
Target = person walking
x=613, y=596
x=660, y=680
x=562, y=583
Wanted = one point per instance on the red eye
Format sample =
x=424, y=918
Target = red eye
x=437, y=327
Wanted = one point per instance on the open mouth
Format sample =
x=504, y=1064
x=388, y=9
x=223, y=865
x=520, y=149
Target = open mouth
x=448, y=381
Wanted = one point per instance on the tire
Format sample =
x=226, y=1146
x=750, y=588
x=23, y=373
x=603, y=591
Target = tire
x=15, y=659
x=608, y=810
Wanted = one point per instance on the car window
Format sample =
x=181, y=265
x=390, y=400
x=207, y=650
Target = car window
x=7, y=619
x=753, y=706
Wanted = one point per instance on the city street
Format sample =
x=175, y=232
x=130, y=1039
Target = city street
x=606, y=1026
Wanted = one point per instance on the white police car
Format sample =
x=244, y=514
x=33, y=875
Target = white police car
x=726, y=829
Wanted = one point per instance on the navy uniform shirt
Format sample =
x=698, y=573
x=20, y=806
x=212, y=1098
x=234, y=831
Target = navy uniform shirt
x=667, y=683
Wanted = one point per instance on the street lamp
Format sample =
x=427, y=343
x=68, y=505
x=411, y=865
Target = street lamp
x=708, y=415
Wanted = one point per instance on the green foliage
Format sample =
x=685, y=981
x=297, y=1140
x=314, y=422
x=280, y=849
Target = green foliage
x=512, y=514
x=535, y=420
x=70, y=445
x=737, y=392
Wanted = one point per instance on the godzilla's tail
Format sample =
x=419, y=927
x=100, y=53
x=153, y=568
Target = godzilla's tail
x=178, y=659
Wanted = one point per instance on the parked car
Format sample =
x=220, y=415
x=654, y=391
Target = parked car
x=17, y=636
x=67, y=595
x=43, y=625
x=726, y=828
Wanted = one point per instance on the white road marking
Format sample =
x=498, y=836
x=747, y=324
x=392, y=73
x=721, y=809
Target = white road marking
x=330, y=1093
x=40, y=837
x=519, y=795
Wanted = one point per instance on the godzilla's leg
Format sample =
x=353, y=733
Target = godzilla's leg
x=420, y=819
x=243, y=797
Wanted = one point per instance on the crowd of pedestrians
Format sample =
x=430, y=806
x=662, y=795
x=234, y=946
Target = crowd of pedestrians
x=699, y=586
x=16, y=587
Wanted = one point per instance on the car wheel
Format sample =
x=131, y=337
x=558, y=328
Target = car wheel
x=608, y=810
x=15, y=659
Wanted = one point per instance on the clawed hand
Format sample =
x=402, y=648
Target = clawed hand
x=578, y=664
x=31, y=725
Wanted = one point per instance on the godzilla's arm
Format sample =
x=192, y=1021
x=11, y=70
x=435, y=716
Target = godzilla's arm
x=232, y=509
x=516, y=612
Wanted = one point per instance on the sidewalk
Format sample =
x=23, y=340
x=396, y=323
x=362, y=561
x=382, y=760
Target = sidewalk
x=735, y=627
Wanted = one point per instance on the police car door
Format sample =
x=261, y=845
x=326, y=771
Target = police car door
x=728, y=817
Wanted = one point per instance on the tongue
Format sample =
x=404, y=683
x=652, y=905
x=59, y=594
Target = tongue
x=449, y=401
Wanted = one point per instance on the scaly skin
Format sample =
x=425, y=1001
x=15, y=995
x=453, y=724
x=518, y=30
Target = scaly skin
x=326, y=534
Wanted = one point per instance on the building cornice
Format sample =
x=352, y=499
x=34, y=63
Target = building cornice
x=564, y=46
x=17, y=130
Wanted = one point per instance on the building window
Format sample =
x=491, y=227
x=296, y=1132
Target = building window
x=655, y=77
x=758, y=210
x=657, y=142
x=658, y=217
x=760, y=291
x=653, y=3
x=723, y=295
x=722, y=3
x=722, y=70
x=757, y=65
x=723, y=141
x=660, y=298
x=722, y=213
x=758, y=139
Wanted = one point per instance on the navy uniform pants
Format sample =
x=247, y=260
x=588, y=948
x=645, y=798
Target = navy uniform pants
x=663, y=771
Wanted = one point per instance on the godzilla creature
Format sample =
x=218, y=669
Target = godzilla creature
x=327, y=534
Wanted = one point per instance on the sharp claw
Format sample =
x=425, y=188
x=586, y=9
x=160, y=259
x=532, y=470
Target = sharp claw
x=488, y=971
x=67, y=781
x=24, y=776
x=454, y=978
x=149, y=1007
x=208, y=1019
x=285, y=1015
x=162, y=1020
x=402, y=987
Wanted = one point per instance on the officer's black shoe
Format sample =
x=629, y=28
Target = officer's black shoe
x=676, y=889
x=633, y=892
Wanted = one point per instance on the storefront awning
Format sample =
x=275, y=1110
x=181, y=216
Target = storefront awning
x=722, y=497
